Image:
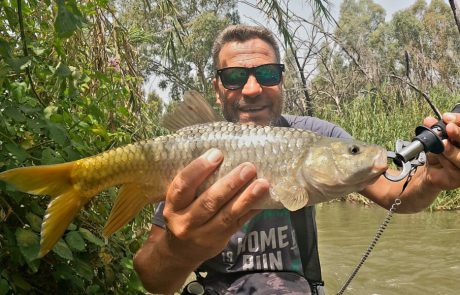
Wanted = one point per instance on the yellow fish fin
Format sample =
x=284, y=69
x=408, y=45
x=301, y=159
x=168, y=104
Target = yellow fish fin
x=61, y=211
x=194, y=109
x=52, y=180
x=55, y=181
x=131, y=198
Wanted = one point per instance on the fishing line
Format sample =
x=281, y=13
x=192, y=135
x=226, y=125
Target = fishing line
x=378, y=234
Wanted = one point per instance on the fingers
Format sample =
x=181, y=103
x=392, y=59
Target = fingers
x=182, y=190
x=240, y=209
x=215, y=197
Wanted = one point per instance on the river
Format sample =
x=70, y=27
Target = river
x=417, y=253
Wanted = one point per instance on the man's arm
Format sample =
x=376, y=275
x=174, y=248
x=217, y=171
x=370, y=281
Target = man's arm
x=442, y=172
x=198, y=228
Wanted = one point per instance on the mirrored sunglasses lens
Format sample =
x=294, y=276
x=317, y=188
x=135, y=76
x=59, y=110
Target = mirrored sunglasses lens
x=268, y=75
x=234, y=78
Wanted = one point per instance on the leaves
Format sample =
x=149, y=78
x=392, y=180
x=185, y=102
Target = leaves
x=87, y=235
x=75, y=241
x=68, y=19
x=63, y=250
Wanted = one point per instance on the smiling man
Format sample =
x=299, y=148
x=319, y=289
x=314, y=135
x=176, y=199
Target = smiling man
x=244, y=250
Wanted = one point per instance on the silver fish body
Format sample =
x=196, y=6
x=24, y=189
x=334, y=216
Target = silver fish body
x=302, y=168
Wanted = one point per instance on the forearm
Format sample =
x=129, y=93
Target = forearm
x=418, y=194
x=160, y=270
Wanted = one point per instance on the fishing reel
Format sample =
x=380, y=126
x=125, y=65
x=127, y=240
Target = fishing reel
x=409, y=155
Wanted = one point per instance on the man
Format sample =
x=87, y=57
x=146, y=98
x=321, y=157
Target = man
x=212, y=230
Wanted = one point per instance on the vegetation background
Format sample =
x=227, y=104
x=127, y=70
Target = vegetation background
x=71, y=76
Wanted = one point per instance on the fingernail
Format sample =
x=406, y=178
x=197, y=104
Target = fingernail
x=259, y=187
x=449, y=118
x=213, y=155
x=247, y=172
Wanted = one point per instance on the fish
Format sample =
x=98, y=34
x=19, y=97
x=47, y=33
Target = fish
x=303, y=169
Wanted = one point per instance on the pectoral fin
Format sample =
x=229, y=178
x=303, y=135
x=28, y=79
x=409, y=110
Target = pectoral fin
x=131, y=199
x=290, y=194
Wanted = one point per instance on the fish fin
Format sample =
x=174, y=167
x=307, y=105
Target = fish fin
x=55, y=181
x=193, y=110
x=131, y=199
x=52, y=180
x=291, y=195
x=61, y=211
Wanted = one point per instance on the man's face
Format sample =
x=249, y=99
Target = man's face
x=253, y=103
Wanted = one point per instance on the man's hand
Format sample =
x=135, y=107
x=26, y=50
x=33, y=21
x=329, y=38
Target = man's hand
x=200, y=227
x=197, y=227
x=443, y=171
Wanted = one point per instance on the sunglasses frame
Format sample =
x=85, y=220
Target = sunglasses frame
x=249, y=71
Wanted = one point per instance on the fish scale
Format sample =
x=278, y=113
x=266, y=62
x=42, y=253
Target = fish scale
x=303, y=169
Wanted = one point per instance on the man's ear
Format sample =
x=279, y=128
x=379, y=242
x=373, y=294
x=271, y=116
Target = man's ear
x=215, y=83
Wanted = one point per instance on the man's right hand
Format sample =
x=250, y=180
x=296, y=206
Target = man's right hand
x=197, y=227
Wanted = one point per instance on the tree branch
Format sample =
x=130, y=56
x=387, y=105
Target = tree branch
x=453, y=6
x=424, y=94
x=26, y=53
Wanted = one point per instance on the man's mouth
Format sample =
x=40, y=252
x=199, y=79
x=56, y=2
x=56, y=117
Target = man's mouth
x=252, y=109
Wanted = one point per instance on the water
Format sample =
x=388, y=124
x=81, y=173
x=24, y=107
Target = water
x=417, y=254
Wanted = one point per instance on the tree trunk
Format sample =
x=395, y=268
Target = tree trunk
x=454, y=6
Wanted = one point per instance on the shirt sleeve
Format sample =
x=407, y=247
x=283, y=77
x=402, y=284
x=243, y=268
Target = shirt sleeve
x=320, y=127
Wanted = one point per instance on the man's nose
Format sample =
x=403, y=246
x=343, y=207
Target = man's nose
x=252, y=88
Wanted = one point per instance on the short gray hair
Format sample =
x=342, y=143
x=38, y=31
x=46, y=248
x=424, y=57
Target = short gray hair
x=242, y=33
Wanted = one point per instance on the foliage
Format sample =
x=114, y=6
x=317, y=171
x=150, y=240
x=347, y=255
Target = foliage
x=418, y=44
x=179, y=37
x=69, y=88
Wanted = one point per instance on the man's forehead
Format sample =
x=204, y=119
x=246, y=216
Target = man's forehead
x=248, y=53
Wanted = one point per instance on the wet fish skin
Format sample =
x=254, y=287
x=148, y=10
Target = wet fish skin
x=302, y=168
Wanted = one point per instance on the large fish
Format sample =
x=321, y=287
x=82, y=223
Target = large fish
x=302, y=168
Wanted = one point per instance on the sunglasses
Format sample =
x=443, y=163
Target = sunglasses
x=236, y=77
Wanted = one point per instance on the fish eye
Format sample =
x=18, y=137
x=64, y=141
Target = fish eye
x=354, y=149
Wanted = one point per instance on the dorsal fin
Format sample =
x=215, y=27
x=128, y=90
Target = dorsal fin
x=193, y=110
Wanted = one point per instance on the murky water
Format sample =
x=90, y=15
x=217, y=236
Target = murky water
x=417, y=254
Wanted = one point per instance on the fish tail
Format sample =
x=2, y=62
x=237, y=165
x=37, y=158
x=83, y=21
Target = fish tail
x=55, y=181
x=52, y=180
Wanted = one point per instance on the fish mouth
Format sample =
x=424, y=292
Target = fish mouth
x=380, y=162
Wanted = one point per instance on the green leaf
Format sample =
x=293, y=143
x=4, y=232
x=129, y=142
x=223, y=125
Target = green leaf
x=14, y=114
x=4, y=287
x=63, y=250
x=17, y=151
x=63, y=272
x=18, y=64
x=57, y=133
x=50, y=156
x=83, y=269
x=75, y=241
x=87, y=235
x=35, y=221
x=62, y=70
x=93, y=289
x=72, y=227
x=36, y=208
x=68, y=19
x=127, y=263
x=20, y=282
x=29, y=245
x=5, y=49
x=18, y=90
